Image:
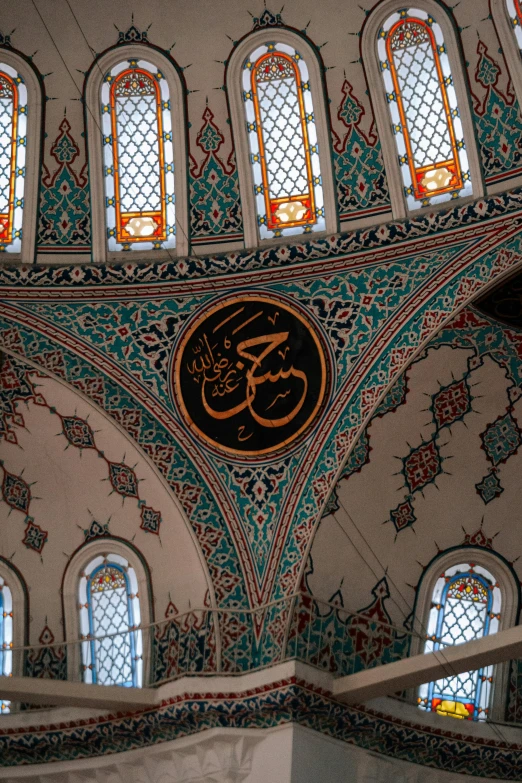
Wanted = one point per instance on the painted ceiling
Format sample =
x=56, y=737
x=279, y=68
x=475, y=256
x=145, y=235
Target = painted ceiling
x=412, y=371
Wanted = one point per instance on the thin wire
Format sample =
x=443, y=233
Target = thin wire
x=92, y=51
x=95, y=119
x=64, y=63
x=444, y=663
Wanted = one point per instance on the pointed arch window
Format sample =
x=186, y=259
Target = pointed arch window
x=138, y=157
x=425, y=115
x=6, y=636
x=112, y=648
x=13, y=138
x=465, y=605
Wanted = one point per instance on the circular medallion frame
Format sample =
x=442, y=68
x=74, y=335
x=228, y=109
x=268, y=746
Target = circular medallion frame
x=250, y=375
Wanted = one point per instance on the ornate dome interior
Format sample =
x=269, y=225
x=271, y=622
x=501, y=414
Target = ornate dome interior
x=260, y=391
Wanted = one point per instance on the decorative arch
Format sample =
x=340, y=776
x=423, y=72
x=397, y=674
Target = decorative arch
x=421, y=175
x=108, y=573
x=13, y=623
x=507, y=18
x=304, y=200
x=497, y=594
x=21, y=101
x=126, y=81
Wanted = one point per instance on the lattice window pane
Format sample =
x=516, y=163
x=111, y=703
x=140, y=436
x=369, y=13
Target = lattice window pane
x=109, y=612
x=283, y=142
x=138, y=158
x=423, y=109
x=466, y=606
x=13, y=119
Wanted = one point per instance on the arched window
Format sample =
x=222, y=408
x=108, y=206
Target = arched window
x=284, y=157
x=106, y=593
x=6, y=636
x=109, y=614
x=137, y=154
x=422, y=109
x=465, y=594
x=20, y=128
x=12, y=625
x=466, y=605
x=139, y=157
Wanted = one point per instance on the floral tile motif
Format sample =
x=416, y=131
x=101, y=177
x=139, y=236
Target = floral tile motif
x=498, y=121
x=78, y=432
x=501, y=439
x=451, y=403
x=215, y=206
x=490, y=487
x=150, y=520
x=478, y=538
x=34, y=537
x=123, y=480
x=49, y=661
x=403, y=516
x=16, y=492
x=422, y=466
x=96, y=530
x=65, y=216
x=362, y=189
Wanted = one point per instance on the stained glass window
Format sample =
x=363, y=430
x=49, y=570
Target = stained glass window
x=514, y=8
x=112, y=651
x=6, y=636
x=465, y=606
x=284, y=150
x=138, y=157
x=13, y=137
x=423, y=106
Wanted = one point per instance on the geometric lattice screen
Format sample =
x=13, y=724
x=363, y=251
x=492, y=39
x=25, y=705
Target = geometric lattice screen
x=465, y=605
x=109, y=614
x=423, y=109
x=282, y=134
x=13, y=140
x=138, y=158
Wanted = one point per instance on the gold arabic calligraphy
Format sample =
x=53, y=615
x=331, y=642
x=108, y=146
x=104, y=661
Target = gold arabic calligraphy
x=220, y=376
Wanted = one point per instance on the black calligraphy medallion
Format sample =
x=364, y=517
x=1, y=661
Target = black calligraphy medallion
x=250, y=375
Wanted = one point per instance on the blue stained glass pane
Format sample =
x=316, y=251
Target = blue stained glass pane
x=110, y=618
x=465, y=606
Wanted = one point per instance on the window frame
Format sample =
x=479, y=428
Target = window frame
x=20, y=609
x=510, y=602
x=104, y=547
x=233, y=81
x=33, y=156
x=370, y=60
x=92, y=100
